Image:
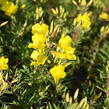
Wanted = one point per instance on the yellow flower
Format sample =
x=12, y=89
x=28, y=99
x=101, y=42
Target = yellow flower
x=23, y=6
x=39, y=37
x=58, y=54
x=3, y=2
x=3, y=63
x=39, y=57
x=83, y=20
x=58, y=72
x=65, y=45
x=64, y=55
x=70, y=56
x=65, y=42
x=70, y=50
x=34, y=55
x=40, y=60
x=104, y=16
x=40, y=28
x=9, y=8
x=38, y=41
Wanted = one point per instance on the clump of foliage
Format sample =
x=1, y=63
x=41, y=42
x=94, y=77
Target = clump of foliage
x=54, y=54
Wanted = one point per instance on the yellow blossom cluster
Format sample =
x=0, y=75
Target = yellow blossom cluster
x=3, y=63
x=83, y=20
x=39, y=31
x=67, y=52
x=39, y=39
x=8, y=7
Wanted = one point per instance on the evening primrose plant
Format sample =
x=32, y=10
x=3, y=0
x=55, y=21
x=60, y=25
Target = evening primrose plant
x=54, y=54
x=40, y=39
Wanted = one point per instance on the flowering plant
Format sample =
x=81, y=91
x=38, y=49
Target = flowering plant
x=54, y=54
